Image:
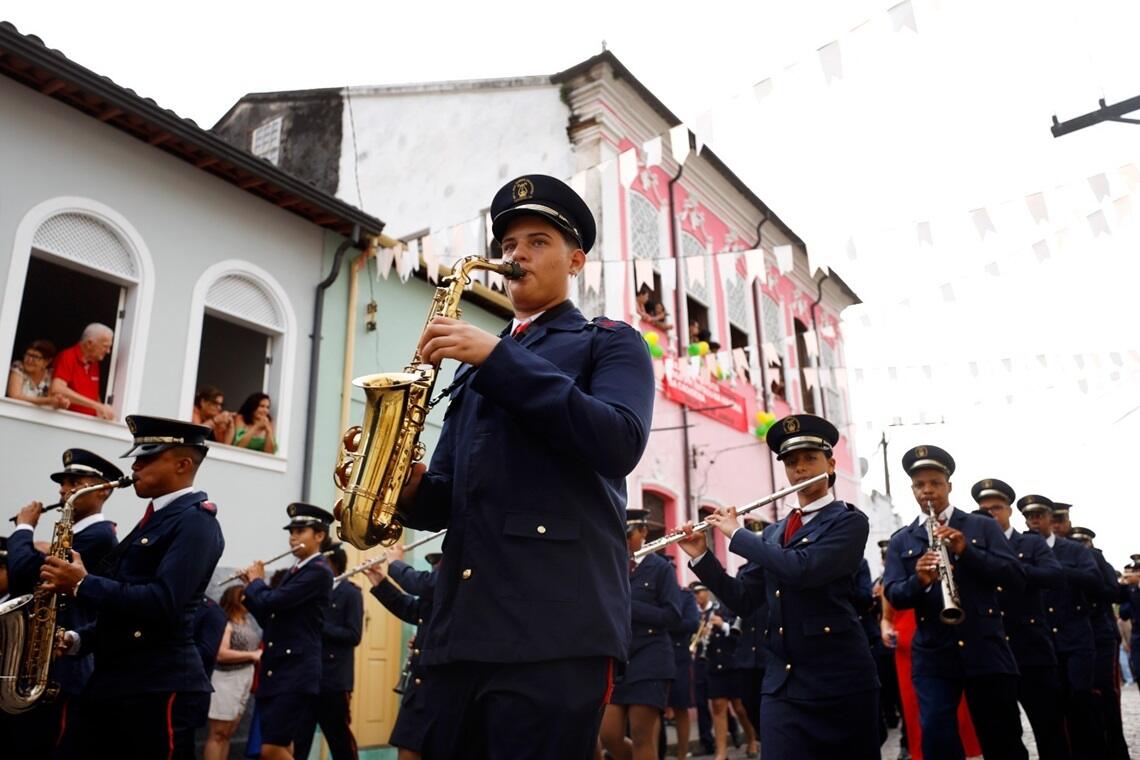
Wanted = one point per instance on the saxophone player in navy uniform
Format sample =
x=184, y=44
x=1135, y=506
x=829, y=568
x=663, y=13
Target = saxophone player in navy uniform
x=545, y=422
x=413, y=605
x=820, y=695
x=144, y=599
x=343, y=627
x=1106, y=637
x=37, y=732
x=292, y=617
x=640, y=697
x=1068, y=611
x=974, y=655
x=1025, y=621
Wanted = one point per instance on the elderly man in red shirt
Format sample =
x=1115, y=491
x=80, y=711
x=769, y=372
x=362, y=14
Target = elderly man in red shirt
x=76, y=371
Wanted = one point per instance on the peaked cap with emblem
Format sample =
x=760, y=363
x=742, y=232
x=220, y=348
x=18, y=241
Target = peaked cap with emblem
x=636, y=517
x=801, y=431
x=928, y=458
x=1061, y=509
x=302, y=515
x=1081, y=534
x=155, y=434
x=993, y=487
x=696, y=586
x=81, y=463
x=1035, y=503
x=547, y=197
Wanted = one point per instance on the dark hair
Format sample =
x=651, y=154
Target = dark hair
x=644, y=289
x=45, y=347
x=230, y=602
x=249, y=406
x=207, y=392
x=339, y=560
x=650, y=307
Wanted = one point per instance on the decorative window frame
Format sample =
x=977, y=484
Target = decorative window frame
x=285, y=350
x=136, y=326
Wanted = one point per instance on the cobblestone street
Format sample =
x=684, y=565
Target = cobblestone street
x=1130, y=705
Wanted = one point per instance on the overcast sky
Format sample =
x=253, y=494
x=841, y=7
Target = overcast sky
x=925, y=127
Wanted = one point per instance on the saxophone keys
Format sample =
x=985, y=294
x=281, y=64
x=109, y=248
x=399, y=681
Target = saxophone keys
x=342, y=475
x=351, y=439
x=418, y=452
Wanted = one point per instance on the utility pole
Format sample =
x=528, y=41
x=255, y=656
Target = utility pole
x=1114, y=112
x=886, y=464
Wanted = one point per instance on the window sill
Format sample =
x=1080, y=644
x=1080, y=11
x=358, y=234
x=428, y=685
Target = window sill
x=116, y=430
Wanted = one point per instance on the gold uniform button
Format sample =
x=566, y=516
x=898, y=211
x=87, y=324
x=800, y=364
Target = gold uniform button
x=138, y=634
x=650, y=631
x=466, y=573
x=788, y=666
x=145, y=541
x=1032, y=620
x=777, y=593
x=780, y=630
x=961, y=643
x=999, y=589
x=1050, y=609
x=288, y=651
x=973, y=540
x=990, y=611
x=270, y=645
x=541, y=529
x=416, y=652
x=419, y=681
x=1020, y=555
x=753, y=649
x=420, y=621
x=1054, y=630
x=827, y=629
x=270, y=673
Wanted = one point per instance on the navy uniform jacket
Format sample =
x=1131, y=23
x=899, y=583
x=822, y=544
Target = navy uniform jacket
x=867, y=605
x=682, y=633
x=412, y=609
x=344, y=624
x=292, y=617
x=721, y=651
x=93, y=543
x=1068, y=607
x=1026, y=625
x=415, y=582
x=209, y=628
x=750, y=645
x=1101, y=616
x=529, y=479
x=976, y=646
x=814, y=646
x=1130, y=610
x=143, y=634
x=655, y=603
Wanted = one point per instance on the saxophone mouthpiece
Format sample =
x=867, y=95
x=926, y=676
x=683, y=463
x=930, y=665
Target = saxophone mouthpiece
x=513, y=270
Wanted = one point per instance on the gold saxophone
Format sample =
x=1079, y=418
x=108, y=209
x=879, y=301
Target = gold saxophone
x=376, y=456
x=27, y=623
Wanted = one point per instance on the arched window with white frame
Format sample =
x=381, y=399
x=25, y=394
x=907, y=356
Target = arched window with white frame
x=76, y=262
x=241, y=341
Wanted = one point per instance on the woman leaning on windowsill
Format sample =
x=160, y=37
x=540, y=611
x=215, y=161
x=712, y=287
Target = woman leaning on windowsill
x=29, y=379
x=253, y=428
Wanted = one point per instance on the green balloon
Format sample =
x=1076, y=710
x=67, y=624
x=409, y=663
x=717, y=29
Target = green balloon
x=694, y=349
x=656, y=351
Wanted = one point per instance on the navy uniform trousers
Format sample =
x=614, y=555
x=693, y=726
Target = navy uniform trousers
x=972, y=657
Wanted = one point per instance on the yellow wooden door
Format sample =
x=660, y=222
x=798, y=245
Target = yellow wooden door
x=379, y=659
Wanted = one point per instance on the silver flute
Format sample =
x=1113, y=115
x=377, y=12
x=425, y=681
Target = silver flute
x=680, y=535
x=384, y=558
x=269, y=561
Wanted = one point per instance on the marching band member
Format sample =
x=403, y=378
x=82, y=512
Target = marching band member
x=640, y=697
x=144, y=599
x=820, y=696
x=973, y=656
x=707, y=606
x=1106, y=637
x=37, y=733
x=343, y=626
x=1129, y=610
x=545, y=423
x=1068, y=611
x=680, y=699
x=413, y=605
x=1026, y=624
x=292, y=618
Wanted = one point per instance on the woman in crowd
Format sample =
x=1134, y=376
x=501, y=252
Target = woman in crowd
x=254, y=425
x=233, y=674
x=30, y=378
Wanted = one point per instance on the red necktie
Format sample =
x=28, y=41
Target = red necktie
x=146, y=516
x=518, y=331
x=794, y=523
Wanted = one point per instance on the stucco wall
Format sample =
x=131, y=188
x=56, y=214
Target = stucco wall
x=189, y=221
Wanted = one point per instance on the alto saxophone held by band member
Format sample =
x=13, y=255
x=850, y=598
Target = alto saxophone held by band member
x=700, y=639
x=951, y=613
x=382, y=558
x=27, y=623
x=679, y=535
x=376, y=456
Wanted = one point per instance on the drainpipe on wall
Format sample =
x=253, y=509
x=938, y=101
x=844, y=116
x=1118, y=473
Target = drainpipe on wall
x=819, y=344
x=315, y=358
x=682, y=327
x=757, y=313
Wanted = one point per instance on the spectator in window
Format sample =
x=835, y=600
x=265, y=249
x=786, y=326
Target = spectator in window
x=30, y=378
x=695, y=330
x=77, y=372
x=661, y=317
x=254, y=425
x=643, y=302
x=208, y=411
x=706, y=336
